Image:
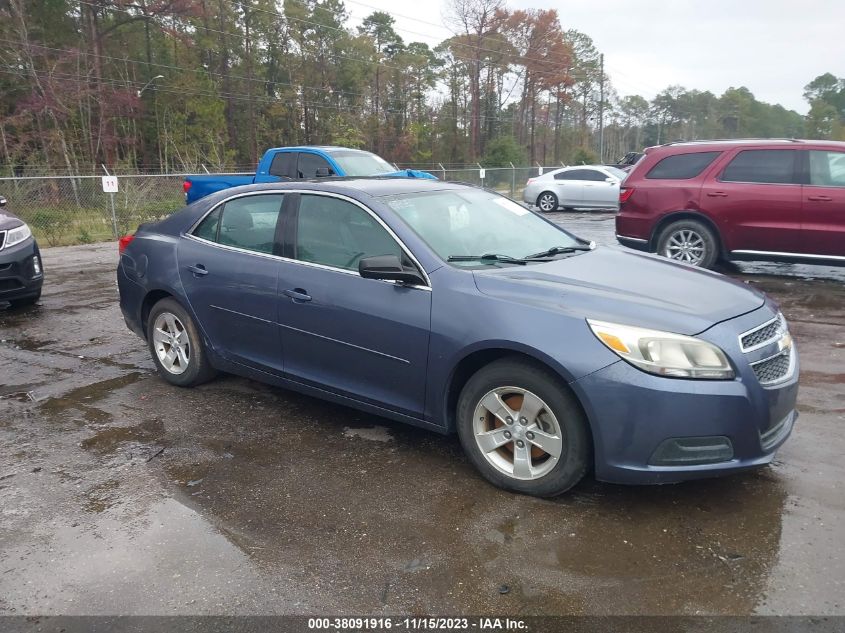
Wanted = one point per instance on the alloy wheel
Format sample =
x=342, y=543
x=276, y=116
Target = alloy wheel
x=547, y=202
x=685, y=245
x=171, y=343
x=517, y=433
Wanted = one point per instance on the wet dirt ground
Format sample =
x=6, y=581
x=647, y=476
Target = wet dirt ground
x=120, y=494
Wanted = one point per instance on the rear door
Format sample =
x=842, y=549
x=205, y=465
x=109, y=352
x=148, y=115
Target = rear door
x=755, y=198
x=823, y=215
x=230, y=273
x=569, y=186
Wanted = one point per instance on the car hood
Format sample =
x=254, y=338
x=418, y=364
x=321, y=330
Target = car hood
x=8, y=220
x=609, y=284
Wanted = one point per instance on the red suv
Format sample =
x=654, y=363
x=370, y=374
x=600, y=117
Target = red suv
x=698, y=202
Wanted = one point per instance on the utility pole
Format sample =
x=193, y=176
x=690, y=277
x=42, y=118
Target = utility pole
x=601, y=108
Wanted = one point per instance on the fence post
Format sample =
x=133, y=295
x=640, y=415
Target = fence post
x=113, y=214
x=443, y=169
x=513, y=181
x=481, y=174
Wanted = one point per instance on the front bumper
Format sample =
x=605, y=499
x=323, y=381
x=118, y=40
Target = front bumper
x=649, y=429
x=18, y=276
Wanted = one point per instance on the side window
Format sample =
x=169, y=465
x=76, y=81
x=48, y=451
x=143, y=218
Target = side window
x=284, y=165
x=565, y=175
x=207, y=229
x=249, y=222
x=827, y=169
x=310, y=163
x=770, y=166
x=595, y=175
x=337, y=233
x=682, y=166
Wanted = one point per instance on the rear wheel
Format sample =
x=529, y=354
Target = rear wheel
x=547, y=202
x=689, y=242
x=176, y=346
x=523, y=429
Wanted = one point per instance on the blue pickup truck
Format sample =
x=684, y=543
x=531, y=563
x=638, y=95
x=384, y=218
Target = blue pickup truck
x=300, y=163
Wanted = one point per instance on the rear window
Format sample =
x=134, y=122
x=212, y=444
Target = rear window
x=770, y=166
x=682, y=166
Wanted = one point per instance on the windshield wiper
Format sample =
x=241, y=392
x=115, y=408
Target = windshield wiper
x=559, y=250
x=487, y=257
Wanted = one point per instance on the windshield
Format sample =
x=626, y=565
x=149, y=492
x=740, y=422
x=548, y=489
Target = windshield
x=362, y=163
x=616, y=172
x=468, y=222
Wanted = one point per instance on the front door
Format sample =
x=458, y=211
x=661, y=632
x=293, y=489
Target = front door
x=363, y=338
x=823, y=221
x=230, y=276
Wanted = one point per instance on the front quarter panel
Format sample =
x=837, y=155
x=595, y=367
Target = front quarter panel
x=465, y=321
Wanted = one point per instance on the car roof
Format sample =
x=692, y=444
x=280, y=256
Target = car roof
x=373, y=187
x=725, y=143
x=321, y=148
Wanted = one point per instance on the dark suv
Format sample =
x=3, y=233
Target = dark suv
x=698, y=202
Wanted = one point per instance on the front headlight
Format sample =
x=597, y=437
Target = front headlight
x=664, y=353
x=17, y=235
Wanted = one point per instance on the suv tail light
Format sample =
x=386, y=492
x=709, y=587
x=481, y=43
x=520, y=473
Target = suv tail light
x=123, y=242
x=186, y=185
x=625, y=193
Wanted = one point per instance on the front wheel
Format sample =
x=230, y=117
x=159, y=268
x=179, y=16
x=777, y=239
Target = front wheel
x=547, y=202
x=176, y=346
x=522, y=429
x=689, y=242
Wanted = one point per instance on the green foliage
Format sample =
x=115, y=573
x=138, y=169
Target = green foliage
x=502, y=152
x=584, y=156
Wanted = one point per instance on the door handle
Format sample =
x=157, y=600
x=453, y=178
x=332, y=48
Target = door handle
x=717, y=194
x=820, y=198
x=298, y=295
x=198, y=270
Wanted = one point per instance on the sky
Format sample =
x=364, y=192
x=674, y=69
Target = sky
x=772, y=47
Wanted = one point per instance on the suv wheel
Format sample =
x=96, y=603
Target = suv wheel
x=547, y=202
x=176, y=346
x=689, y=242
x=523, y=429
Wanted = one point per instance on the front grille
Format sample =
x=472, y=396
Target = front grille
x=774, y=368
x=763, y=334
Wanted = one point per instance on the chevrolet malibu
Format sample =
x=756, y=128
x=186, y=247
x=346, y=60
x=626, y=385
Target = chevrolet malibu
x=457, y=310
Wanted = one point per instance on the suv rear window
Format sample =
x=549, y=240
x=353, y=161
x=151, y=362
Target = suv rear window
x=770, y=166
x=682, y=166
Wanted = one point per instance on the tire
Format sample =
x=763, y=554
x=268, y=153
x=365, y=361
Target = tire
x=560, y=425
x=26, y=301
x=547, y=202
x=181, y=359
x=689, y=242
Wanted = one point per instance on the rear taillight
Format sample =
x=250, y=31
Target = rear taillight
x=625, y=193
x=530, y=180
x=186, y=185
x=123, y=242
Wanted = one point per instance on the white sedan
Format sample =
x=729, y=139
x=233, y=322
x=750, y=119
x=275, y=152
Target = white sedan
x=582, y=186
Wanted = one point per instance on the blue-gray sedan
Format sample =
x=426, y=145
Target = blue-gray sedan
x=455, y=309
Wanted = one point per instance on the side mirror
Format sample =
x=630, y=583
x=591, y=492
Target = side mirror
x=389, y=268
x=323, y=172
x=2, y=202
x=610, y=179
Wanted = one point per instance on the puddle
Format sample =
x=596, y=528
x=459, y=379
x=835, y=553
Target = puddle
x=107, y=440
x=82, y=398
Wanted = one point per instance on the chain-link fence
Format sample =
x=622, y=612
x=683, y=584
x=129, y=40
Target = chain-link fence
x=64, y=210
